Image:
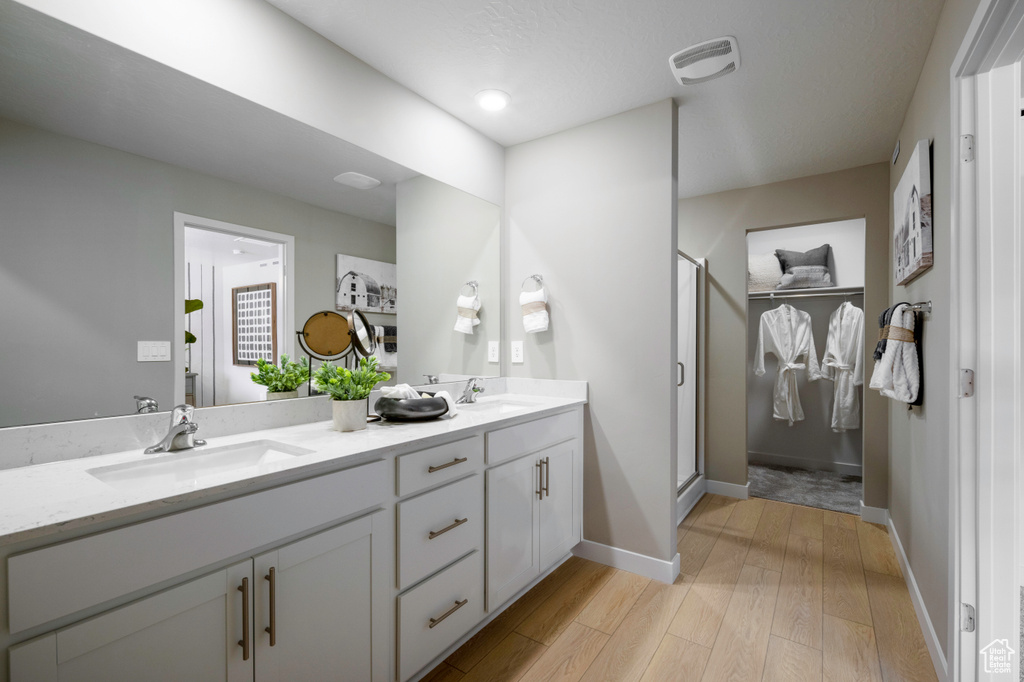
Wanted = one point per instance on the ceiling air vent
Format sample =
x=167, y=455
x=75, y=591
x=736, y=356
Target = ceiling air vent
x=705, y=61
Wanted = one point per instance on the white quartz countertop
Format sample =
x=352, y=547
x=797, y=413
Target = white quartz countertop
x=46, y=499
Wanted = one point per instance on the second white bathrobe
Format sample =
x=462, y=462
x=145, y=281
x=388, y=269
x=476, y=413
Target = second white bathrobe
x=785, y=332
x=843, y=364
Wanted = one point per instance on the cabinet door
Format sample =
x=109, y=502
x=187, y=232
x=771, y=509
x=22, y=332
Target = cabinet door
x=512, y=559
x=559, y=523
x=189, y=632
x=328, y=615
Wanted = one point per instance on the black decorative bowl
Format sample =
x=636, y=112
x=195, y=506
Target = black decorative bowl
x=410, y=410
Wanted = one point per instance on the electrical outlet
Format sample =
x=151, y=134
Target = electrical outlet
x=493, y=351
x=517, y=352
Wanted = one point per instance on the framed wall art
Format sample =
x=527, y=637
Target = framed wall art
x=254, y=328
x=912, y=217
x=367, y=285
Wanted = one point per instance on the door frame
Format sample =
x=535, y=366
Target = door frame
x=985, y=210
x=285, y=297
x=688, y=494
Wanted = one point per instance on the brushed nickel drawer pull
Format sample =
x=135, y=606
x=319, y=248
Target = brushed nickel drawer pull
x=272, y=629
x=540, y=479
x=458, y=522
x=458, y=605
x=547, y=476
x=457, y=460
x=244, y=642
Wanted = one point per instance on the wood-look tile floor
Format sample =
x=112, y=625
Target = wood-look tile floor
x=768, y=592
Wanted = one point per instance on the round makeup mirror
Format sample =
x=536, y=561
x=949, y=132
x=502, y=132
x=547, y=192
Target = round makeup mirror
x=361, y=333
x=326, y=336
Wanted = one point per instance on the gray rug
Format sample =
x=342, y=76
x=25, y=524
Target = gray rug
x=819, y=489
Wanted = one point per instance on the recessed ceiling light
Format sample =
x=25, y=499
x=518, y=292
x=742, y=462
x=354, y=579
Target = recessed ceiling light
x=357, y=180
x=492, y=100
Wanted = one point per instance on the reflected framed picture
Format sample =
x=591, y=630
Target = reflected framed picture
x=367, y=285
x=912, y=217
x=254, y=328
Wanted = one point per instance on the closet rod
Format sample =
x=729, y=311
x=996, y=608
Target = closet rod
x=846, y=291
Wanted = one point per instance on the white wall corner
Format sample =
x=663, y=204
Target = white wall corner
x=740, y=492
x=931, y=637
x=878, y=515
x=641, y=564
x=688, y=499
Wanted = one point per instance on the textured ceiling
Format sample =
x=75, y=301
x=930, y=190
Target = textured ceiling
x=823, y=85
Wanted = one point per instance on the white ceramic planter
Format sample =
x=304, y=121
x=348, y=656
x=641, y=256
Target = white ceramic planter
x=282, y=395
x=350, y=415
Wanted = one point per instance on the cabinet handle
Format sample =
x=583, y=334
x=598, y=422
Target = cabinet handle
x=540, y=479
x=682, y=374
x=244, y=642
x=272, y=629
x=457, y=460
x=458, y=605
x=458, y=522
x=547, y=476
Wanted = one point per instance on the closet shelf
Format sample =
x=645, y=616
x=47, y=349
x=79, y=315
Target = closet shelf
x=805, y=293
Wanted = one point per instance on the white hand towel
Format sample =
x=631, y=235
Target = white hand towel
x=452, y=410
x=467, y=319
x=897, y=375
x=535, y=310
x=399, y=392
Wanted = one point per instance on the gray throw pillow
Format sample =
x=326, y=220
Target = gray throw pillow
x=790, y=259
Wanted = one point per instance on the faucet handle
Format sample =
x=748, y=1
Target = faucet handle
x=182, y=414
x=145, y=404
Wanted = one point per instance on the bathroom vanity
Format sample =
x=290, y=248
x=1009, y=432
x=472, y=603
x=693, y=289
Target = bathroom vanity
x=296, y=553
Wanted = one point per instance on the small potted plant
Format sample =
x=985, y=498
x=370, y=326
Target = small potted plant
x=284, y=381
x=349, y=391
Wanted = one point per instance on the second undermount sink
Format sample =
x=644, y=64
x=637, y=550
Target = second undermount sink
x=202, y=464
x=496, y=404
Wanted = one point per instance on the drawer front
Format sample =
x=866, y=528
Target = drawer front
x=428, y=537
x=418, y=643
x=425, y=468
x=62, y=579
x=513, y=441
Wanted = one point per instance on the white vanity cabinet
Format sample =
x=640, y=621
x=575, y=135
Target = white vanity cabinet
x=299, y=613
x=534, y=504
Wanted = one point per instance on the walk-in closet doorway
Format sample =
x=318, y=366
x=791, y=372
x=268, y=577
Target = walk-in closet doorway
x=806, y=330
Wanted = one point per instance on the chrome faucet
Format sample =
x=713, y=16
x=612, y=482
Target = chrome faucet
x=145, y=405
x=182, y=433
x=469, y=393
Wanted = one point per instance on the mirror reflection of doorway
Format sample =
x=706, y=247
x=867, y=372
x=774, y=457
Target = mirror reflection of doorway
x=240, y=275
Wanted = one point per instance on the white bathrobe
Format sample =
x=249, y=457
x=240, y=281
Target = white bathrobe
x=843, y=364
x=785, y=332
x=897, y=375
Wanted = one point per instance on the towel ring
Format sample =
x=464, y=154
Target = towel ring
x=473, y=283
x=537, y=278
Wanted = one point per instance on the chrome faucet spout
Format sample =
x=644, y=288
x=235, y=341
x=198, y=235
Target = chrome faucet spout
x=181, y=435
x=473, y=386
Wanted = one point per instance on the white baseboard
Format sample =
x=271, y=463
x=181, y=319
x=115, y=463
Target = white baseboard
x=874, y=514
x=641, y=564
x=805, y=463
x=741, y=492
x=689, y=498
x=931, y=638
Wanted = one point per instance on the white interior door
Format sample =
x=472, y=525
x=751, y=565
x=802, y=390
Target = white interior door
x=686, y=370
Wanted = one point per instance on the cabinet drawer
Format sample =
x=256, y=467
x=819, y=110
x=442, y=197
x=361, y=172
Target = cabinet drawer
x=521, y=439
x=418, y=643
x=431, y=514
x=59, y=580
x=420, y=470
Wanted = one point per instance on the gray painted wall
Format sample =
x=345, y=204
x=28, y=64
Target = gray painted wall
x=714, y=226
x=445, y=237
x=86, y=265
x=919, y=439
x=592, y=210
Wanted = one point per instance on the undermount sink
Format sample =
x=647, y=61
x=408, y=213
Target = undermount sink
x=254, y=457
x=498, y=404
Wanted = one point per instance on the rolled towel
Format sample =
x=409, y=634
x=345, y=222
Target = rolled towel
x=390, y=338
x=897, y=374
x=399, y=392
x=452, y=410
x=467, y=317
x=535, y=310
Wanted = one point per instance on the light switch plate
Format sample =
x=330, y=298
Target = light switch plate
x=154, y=351
x=493, y=351
x=517, y=352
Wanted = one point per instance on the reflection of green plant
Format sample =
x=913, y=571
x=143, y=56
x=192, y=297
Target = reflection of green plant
x=288, y=377
x=345, y=384
x=191, y=305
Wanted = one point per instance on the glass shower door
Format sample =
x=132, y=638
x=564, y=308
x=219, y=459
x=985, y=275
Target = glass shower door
x=686, y=368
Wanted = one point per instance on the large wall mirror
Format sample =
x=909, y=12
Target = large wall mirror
x=111, y=165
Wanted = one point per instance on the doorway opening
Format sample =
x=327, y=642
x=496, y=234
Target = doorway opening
x=691, y=273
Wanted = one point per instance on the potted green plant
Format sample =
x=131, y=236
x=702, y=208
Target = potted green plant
x=281, y=381
x=349, y=391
